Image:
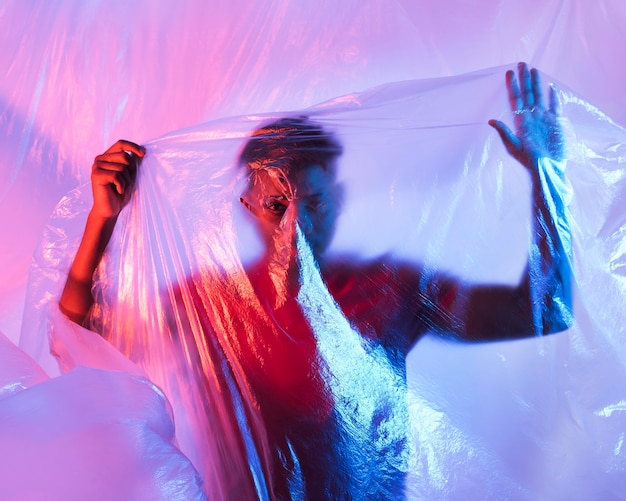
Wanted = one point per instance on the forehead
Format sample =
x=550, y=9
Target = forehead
x=304, y=181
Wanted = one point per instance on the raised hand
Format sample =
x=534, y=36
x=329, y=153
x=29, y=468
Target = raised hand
x=113, y=176
x=538, y=133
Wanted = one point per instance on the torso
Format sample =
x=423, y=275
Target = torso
x=354, y=442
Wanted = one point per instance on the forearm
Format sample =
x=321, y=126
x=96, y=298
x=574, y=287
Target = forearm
x=76, y=299
x=542, y=302
x=113, y=176
x=548, y=279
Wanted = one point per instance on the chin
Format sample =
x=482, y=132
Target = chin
x=318, y=250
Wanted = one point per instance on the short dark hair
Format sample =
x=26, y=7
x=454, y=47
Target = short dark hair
x=296, y=142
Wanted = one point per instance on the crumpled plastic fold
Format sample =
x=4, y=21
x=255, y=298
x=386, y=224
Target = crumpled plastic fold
x=91, y=433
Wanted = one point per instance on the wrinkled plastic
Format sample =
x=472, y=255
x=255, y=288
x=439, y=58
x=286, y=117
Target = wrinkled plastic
x=95, y=434
x=538, y=418
x=275, y=377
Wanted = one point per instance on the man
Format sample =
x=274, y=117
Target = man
x=337, y=322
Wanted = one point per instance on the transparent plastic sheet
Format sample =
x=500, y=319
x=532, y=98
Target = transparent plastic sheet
x=82, y=73
x=426, y=183
x=19, y=371
x=89, y=434
x=70, y=88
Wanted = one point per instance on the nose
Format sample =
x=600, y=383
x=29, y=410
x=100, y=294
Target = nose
x=303, y=216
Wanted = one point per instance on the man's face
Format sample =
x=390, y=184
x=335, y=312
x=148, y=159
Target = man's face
x=312, y=192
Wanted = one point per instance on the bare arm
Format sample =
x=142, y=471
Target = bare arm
x=112, y=177
x=542, y=303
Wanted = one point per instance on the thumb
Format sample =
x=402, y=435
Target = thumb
x=511, y=143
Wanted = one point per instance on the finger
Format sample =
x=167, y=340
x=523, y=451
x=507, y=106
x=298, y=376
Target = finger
x=119, y=158
x=513, y=89
x=128, y=146
x=526, y=85
x=555, y=102
x=127, y=172
x=120, y=162
x=123, y=145
x=102, y=177
x=511, y=143
x=536, y=84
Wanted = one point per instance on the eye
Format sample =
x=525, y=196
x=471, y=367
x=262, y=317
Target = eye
x=317, y=204
x=275, y=206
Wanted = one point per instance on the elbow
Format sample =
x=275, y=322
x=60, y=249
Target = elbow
x=558, y=318
x=557, y=326
x=76, y=317
x=76, y=300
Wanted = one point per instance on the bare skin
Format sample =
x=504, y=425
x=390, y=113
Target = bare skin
x=113, y=176
x=540, y=304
